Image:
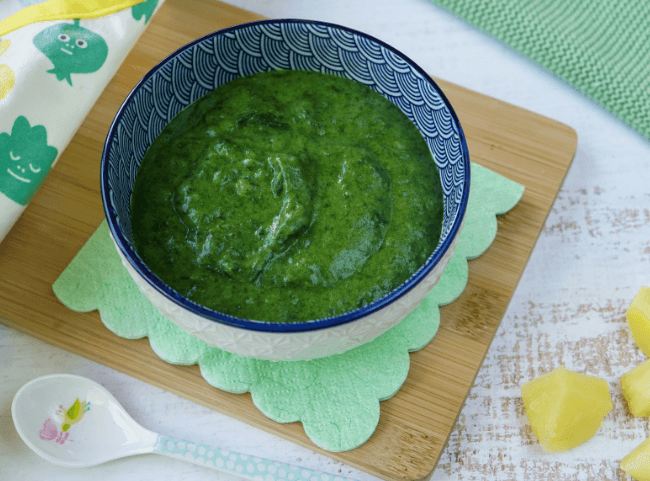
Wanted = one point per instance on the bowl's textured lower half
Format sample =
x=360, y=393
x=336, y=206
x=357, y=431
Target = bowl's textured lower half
x=293, y=346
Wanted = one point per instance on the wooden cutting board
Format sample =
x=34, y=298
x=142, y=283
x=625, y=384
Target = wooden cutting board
x=415, y=424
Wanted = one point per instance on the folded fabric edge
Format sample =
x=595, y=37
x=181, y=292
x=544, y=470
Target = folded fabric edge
x=62, y=10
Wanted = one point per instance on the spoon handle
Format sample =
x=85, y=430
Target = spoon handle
x=250, y=467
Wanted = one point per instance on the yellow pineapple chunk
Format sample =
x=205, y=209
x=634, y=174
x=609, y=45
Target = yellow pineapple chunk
x=638, y=318
x=637, y=463
x=636, y=389
x=565, y=408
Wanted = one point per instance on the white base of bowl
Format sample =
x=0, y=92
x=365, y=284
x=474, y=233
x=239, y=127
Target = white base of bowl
x=293, y=346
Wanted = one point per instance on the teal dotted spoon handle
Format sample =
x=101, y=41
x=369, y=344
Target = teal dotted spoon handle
x=250, y=467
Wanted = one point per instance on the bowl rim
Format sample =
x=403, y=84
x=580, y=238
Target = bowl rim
x=266, y=326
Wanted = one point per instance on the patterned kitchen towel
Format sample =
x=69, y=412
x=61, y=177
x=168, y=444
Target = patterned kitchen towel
x=51, y=74
x=602, y=47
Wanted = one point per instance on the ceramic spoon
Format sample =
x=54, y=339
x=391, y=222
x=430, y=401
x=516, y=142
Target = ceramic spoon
x=75, y=422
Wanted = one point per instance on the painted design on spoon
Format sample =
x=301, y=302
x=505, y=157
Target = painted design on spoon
x=50, y=432
x=68, y=417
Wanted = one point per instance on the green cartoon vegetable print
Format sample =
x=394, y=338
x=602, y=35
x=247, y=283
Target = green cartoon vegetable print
x=145, y=9
x=72, y=49
x=25, y=160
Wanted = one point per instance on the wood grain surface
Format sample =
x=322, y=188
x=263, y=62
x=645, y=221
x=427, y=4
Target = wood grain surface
x=416, y=423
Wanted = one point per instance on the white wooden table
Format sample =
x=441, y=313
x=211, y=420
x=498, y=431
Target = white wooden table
x=569, y=308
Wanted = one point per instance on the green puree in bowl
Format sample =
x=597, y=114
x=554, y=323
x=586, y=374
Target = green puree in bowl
x=287, y=196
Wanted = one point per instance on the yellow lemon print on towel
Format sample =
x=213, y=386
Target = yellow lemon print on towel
x=4, y=45
x=7, y=78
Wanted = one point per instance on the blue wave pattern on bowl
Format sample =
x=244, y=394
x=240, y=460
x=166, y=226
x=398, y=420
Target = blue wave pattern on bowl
x=215, y=59
x=220, y=58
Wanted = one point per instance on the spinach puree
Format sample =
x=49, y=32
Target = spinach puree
x=287, y=196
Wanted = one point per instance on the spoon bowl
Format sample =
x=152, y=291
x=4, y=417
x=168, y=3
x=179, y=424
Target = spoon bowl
x=98, y=430
x=75, y=422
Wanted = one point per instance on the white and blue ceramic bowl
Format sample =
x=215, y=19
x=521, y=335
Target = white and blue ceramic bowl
x=209, y=62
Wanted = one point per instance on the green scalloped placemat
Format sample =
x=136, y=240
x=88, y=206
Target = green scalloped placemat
x=336, y=398
x=602, y=47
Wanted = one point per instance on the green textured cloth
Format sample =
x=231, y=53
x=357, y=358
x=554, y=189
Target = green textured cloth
x=602, y=47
